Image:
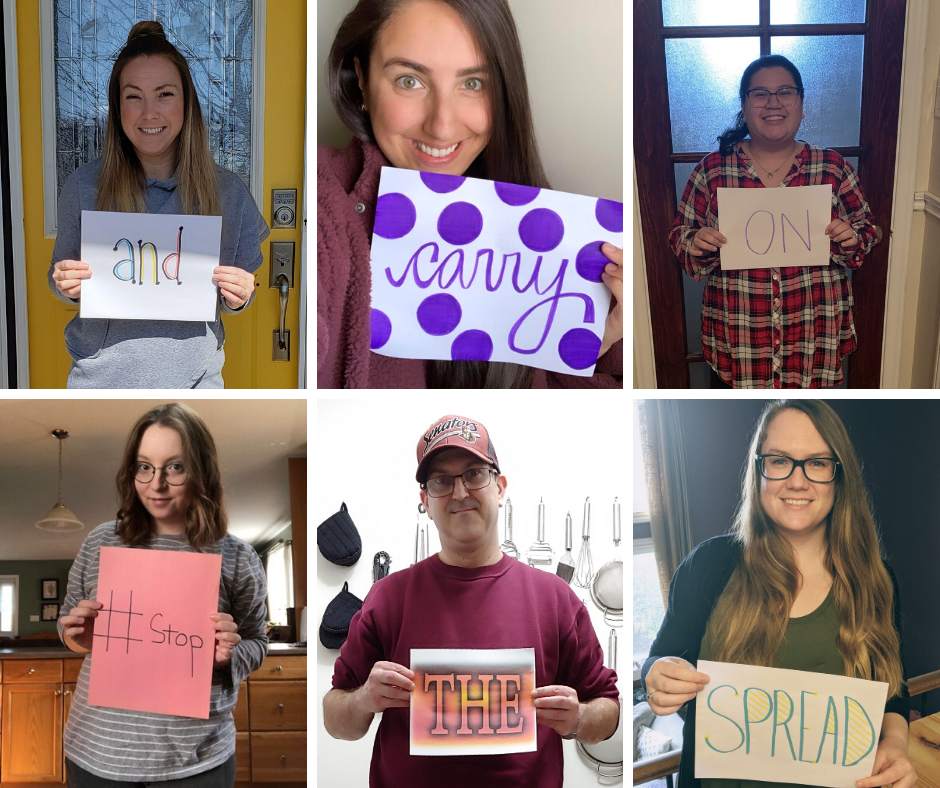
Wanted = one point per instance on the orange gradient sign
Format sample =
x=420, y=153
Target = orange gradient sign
x=472, y=701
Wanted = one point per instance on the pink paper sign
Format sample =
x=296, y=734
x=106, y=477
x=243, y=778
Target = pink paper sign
x=154, y=642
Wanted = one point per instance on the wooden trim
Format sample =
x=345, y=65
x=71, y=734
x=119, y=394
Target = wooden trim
x=651, y=141
x=694, y=157
x=644, y=357
x=927, y=682
x=731, y=31
x=297, y=473
x=899, y=255
x=927, y=202
x=881, y=79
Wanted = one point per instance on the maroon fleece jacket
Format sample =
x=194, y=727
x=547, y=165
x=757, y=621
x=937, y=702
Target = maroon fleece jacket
x=347, y=186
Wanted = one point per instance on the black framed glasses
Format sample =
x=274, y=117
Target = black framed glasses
x=173, y=472
x=760, y=97
x=472, y=478
x=777, y=467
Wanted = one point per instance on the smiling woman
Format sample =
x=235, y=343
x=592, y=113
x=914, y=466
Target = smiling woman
x=439, y=86
x=156, y=159
x=779, y=326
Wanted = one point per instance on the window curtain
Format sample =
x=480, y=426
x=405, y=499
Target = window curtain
x=664, y=453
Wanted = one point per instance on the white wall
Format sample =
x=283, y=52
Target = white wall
x=574, y=67
x=364, y=454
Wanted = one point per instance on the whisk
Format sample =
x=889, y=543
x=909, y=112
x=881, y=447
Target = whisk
x=584, y=568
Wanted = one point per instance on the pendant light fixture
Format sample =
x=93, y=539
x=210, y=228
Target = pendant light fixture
x=60, y=519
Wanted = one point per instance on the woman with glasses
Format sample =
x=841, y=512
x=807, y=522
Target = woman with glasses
x=774, y=327
x=799, y=583
x=170, y=494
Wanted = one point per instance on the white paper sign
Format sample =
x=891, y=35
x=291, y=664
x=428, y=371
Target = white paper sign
x=477, y=270
x=472, y=701
x=789, y=726
x=770, y=228
x=147, y=266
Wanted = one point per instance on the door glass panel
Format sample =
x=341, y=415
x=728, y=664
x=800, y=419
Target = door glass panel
x=215, y=36
x=816, y=12
x=691, y=289
x=833, y=95
x=704, y=75
x=682, y=173
x=709, y=12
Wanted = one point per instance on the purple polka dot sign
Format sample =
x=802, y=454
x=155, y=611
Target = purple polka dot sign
x=465, y=269
x=148, y=266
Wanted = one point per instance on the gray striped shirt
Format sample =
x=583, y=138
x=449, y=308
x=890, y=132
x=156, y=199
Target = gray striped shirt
x=137, y=746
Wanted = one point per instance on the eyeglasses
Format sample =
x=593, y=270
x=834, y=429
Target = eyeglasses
x=761, y=96
x=777, y=467
x=472, y=478
x=173, y=472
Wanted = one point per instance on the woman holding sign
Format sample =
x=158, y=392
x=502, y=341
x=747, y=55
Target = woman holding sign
x=777, y=326
x=156, y=160
x=170, y=494
x=437, y=86
x=799, y=584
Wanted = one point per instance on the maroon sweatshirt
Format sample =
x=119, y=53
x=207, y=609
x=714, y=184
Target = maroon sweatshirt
x=506, y=605
x=347, y=186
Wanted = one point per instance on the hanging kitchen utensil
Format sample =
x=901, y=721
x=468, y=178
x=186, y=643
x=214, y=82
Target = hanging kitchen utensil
x=540, y=552
x=421, y=538
x=607, y=588
x=606, y=757
x=566, y=563
x=380, y=565
x=508, y=546
x=584, y=569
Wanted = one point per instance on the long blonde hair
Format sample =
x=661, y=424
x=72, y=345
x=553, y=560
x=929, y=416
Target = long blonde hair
x=121, y=181
x=750, y=619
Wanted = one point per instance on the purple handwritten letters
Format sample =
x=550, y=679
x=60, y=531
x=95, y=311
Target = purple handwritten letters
x=469, y=269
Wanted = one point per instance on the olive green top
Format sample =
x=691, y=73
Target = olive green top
x=809, y=644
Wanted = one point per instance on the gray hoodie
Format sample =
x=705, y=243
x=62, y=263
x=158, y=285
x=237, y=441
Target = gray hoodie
x=153, y=353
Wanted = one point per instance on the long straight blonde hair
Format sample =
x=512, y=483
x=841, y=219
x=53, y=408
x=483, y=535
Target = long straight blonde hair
x=750, y=619
x=121, y=181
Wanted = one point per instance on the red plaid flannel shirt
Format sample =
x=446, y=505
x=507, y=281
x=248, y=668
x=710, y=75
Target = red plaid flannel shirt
x=784, y=327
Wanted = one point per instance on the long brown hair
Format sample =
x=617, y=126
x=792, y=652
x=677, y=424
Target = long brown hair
x=751, y=616
x=122, y=180
x=511, y=154
x=206, y=521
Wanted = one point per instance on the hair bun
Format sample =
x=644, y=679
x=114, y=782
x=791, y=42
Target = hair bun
x=146, y=28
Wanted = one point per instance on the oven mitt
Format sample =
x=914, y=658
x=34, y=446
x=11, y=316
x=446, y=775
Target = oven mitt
x=338, y=538
x=336, y=618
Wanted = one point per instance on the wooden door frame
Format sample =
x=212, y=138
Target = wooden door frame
x=652, y=134
x=14, y=375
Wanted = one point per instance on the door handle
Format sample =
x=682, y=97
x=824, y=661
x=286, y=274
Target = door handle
x=283, y=292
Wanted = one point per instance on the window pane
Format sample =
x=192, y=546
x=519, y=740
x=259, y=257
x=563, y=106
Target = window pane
x=641, y=499
x=6, y=607
x=215, y=36
x=815, y=12
x=833, y=95
x=648, y=608
x=704, y=75
x=685, y=13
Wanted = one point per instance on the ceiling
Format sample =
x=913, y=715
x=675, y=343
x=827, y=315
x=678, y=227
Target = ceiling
x=254, y=438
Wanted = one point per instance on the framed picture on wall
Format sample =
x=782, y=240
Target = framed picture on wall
x=50, y=588
x=50, y=611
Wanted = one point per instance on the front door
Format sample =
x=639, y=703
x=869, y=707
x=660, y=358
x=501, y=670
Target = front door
x=249, y=54
x=688, y=59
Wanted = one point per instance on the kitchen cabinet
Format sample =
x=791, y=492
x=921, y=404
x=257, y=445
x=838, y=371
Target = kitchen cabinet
x=271, y=719
x=31, y=722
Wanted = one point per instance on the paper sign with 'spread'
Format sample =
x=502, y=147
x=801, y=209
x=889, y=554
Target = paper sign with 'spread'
x=472, y=701
x=148, y=266
x=467, y=269
x=771, y=228
x=790, y=726
x=154, y=642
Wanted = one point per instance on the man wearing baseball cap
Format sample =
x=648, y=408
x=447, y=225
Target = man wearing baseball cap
x=470, y=595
